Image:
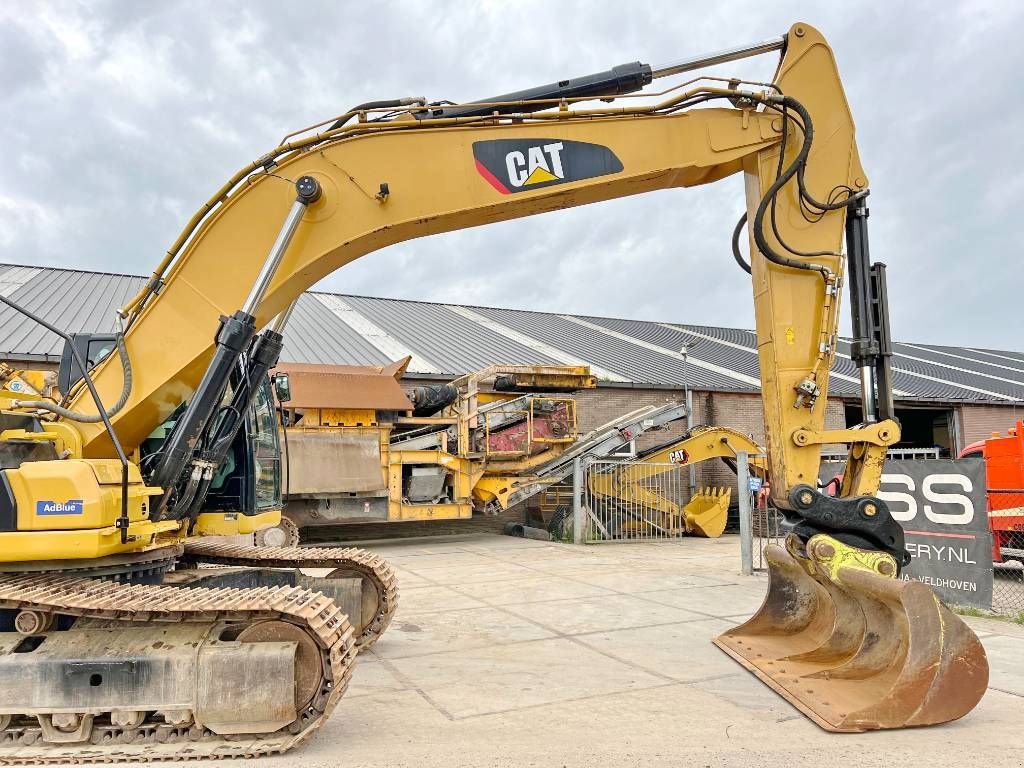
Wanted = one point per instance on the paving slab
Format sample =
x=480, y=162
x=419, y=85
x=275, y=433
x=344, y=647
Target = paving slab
x=428, y=562
x=511, y=544
x=531, y=589
x=373, y=677
x=682, y=651
x=600, y=614
x=729, y=600
x=482, y=571
x=433, y=597
x=412, y=634
x=581, y=566
x=510, y=677
x=1006, y=664
x=480, y=668
x=995, y=626
x=636, y=582
x=408, y=580
x=397, y=548
x=746, y=691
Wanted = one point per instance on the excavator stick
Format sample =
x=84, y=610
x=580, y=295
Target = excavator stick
x=707, y=512
x=853, y=646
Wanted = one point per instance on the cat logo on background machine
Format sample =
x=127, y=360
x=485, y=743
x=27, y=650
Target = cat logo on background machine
x=519, y=165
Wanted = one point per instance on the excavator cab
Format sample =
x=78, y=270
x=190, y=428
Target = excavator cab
x=248, y=482
x=94, y=348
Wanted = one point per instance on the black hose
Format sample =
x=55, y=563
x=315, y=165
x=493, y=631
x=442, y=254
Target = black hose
x=740, y=226
x=805, y=116
x=383, y=104
x=783, y=178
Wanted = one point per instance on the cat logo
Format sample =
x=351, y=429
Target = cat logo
x=679, y=457
x=544, y=164
x=519, y=165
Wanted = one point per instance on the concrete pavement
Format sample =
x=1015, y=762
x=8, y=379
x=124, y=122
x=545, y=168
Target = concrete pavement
x=513, y=652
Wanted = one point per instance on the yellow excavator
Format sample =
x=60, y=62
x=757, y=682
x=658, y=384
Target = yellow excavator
x=115, y=649
x=636, y=503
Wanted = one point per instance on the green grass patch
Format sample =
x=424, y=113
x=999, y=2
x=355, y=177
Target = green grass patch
x=967, y=610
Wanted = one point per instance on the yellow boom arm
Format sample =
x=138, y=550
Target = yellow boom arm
x=838, y=635
x=438, y=177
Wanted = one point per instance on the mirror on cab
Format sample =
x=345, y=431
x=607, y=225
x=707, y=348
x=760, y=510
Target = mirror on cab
x=282, y=387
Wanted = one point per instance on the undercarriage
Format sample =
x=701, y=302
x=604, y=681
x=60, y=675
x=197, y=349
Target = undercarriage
x=215, y=651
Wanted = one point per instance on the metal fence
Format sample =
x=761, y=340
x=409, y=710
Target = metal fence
x=766, y=527
x=891, y=454
x=636, y=501
x=1006, y=519
x=630, y=501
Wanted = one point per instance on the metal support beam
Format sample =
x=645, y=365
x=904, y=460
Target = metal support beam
x=577, y=500
x=746, y=513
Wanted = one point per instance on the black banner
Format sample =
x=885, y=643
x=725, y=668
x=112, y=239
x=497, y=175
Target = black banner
x=941, y=505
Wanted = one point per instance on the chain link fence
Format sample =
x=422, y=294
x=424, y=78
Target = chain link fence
x=1006, y=519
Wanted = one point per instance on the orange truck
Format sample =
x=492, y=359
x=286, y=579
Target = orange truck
x=1004, y=469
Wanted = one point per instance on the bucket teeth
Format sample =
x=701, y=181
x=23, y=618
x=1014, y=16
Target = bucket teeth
x=856, y=650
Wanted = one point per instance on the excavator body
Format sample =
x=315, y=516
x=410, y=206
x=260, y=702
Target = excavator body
x=85, y=506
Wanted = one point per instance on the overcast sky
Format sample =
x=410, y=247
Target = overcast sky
x=120, y=118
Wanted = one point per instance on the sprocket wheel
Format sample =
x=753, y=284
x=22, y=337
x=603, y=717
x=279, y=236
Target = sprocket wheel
x=284, y=534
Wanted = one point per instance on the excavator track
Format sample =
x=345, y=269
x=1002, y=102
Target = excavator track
x=380, y=584
x=115, y=608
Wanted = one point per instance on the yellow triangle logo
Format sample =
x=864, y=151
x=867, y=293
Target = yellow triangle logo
x=539, y=175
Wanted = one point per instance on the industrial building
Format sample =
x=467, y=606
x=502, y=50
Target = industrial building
x=947, y=397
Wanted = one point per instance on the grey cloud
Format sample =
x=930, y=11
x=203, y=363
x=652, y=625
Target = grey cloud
x=120, y=118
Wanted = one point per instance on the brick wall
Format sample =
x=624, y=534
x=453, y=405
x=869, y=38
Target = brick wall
x=739, y=411
x=595, y=408
x=978, y=422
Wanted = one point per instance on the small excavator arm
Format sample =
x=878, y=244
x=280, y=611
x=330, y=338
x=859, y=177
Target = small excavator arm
x=359, y=186
x=706, y=513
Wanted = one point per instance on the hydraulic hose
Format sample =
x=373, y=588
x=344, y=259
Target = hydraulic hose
x=783, y=178
x=740, y=226
x=86, y=418
x=805, y=116
x=384, y=104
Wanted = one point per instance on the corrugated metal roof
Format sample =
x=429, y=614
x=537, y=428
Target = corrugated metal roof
x=317, y=335
x=72, y=300
x=455, y=339
x=456, y=345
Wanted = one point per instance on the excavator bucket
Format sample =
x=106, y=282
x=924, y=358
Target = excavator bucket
x=857, y=649
x=707, y=512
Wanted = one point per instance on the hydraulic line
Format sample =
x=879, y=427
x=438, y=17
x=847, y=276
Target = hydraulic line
x=766, y=201
x=736, y=254
x=383, y=104
x=86, y=418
